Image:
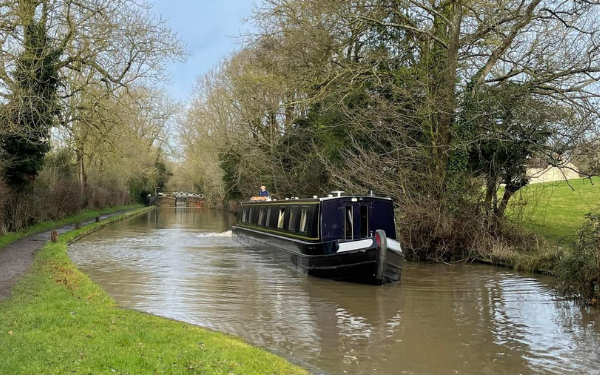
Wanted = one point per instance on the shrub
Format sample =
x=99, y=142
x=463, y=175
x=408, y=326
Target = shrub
x=579, y=270
x=53, y=198
x=432, y=234
x=17, y=210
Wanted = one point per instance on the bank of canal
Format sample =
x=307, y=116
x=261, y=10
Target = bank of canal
x=60, y=322
x=464, y=319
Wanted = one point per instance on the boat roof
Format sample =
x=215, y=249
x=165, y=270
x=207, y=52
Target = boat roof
x=317, y=199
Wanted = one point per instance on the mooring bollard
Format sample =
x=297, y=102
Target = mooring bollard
x=97, y=219
x=54, y=236
x=77, y=225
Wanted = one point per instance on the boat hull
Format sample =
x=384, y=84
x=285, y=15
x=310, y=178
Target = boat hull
x=320, y=259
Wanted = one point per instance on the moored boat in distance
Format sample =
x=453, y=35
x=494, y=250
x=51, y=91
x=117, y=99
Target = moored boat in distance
x=350, y=238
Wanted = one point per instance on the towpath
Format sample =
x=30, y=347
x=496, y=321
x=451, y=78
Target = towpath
x=16, y=258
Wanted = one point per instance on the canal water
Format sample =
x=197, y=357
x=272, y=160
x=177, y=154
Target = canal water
x=460, y=319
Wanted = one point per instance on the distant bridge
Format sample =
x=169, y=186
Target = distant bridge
x=179, y=199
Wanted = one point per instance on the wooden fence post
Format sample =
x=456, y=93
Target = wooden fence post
x=54, y=236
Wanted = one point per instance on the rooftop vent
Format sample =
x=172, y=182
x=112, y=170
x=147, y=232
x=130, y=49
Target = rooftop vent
x=371, y=194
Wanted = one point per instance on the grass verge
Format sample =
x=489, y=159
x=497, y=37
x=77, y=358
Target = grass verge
x=556, y=210
x=60, y=322
x=49, y=225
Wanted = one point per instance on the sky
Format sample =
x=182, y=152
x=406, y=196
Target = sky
x=209, y=29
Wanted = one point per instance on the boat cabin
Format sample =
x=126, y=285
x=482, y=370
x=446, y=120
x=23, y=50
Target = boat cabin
x=321, y=219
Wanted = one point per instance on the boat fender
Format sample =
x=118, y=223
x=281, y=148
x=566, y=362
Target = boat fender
x=381, y=240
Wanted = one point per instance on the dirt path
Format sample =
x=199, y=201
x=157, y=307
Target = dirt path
x=16, y=258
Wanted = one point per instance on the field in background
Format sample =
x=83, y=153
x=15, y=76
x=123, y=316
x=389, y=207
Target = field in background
x=554, y=209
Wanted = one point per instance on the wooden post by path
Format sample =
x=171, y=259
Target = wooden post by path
x=54, y=236
x=97, y=219
x=77, y=225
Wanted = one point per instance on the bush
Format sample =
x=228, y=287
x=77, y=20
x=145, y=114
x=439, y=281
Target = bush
x=53, y=198
x=579, y=270
x=56, y=200
x=432, y=234
x=16, y=210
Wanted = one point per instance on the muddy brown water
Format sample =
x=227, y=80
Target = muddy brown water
x=462, y=319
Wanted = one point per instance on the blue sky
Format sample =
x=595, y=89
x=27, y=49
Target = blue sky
x=209, y=29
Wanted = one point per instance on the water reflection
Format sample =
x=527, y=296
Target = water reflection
x=443, y=320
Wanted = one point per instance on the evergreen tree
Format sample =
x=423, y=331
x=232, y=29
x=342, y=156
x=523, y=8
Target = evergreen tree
x=162, y=172
x=31, y=111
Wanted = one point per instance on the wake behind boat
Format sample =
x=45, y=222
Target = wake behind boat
x=351, y=238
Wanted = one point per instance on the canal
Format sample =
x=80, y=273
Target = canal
x=461, y=319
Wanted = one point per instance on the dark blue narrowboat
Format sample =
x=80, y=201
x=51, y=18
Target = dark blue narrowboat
x=350, y=238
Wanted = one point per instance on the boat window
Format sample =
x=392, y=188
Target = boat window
x=261, y=217
x=244, y=213
x=364, y=221
x=303, y=218
x=252, y=215
x=292, y=223
x=268, y=221
x=281, y=218
x=349, y=223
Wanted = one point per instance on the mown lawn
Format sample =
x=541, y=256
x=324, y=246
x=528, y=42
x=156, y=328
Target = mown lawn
x=48, y=225
x=60, y=322
x=555, y=210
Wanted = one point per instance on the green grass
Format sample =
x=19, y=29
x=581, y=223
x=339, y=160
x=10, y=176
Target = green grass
x=48, y=225
x=60, y=322
x=553, y=209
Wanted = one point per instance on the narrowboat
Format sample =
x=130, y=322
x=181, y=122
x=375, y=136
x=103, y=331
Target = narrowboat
x=349, y=238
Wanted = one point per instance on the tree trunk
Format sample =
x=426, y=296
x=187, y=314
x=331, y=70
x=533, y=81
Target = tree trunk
x=289, y=117
x=81, y=172
x=508, y=193
x=442, y=84
x=491, y=192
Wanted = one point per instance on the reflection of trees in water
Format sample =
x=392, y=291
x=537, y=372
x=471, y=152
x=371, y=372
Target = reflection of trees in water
x=547, y=333
x=357, y=324
x=257, y=298
x=325, y=321
x=124, y=282
x=200, y=219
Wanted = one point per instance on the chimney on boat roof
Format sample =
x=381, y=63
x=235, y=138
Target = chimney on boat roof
x=371, y=194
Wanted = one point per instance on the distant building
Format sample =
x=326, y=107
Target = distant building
x=548, y=174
